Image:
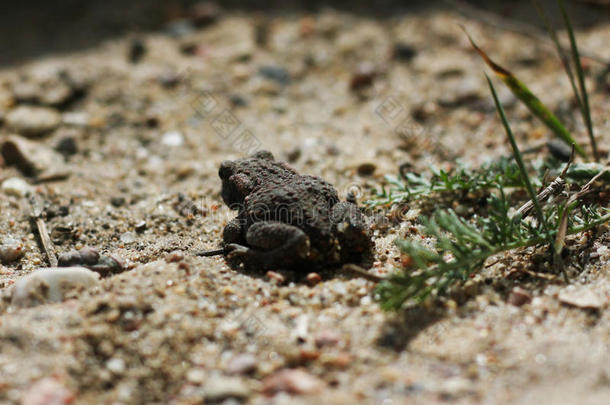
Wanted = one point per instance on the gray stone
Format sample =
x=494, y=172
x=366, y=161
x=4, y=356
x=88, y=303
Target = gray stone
x=33, y=121
x=16, y=187
x=51, y=285
x=33, y=159
x=582, y=297
x=11, y=250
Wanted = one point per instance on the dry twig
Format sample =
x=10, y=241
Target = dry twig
x=41, y=229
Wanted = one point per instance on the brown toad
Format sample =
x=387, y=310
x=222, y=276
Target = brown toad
x=286, y=220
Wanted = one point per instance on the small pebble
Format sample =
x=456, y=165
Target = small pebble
x=238, y=100
x=107, y=265
x=140, y=226
x=116, y=365
x=26, y=91
x=152, y=121
x=327, y=338
x=77, y=119
x=313, y=279
x=403, y=52
x=89, y=255
x=292, y=381
x=275, y=73
x=204, y=13
x=294, y=155
x=184, y=170
x=459, y=92
x=455, y=386
x=363, y=76
x=306, y=356
x=128, y=237
x=366, y=169
x=219, y=388
x=55, y=90
x=168, y=78
x=242, y=364
x=56, y=95
x=188, y=48
x=275, y=277
x=53, y=211
x=91, y=258
x=179, y=28
x=66, y=146
x=341, y=360
x=519, y=296
x=66, y=259
x=47, y=391
x=173, y=138
x=559, y=149
x=137, y=50
x=11, y=250
x=117, y=201
x=33, y=121
x=196, y=376
x=16, y=187
x=174, y=257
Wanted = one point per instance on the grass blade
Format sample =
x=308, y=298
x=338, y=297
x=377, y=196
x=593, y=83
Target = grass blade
x=524, y=94
x=517, y=154
x=585, y=110
x=561, y=53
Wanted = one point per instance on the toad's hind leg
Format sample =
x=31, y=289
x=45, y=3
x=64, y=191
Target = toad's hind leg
x=271, y=245
x=352, y=231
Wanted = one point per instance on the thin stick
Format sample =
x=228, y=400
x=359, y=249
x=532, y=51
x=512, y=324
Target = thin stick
x=360, y=272
x=209, y=253
x=552, y=190
x=43, y=233
x=573, y=201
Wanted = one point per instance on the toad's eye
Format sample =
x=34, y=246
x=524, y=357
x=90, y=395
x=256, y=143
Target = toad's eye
x=263, y=154
x=226, y=169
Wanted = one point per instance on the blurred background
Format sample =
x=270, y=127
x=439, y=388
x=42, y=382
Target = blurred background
x=30, y=29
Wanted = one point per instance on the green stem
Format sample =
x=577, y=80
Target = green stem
x=585, y=109
x=518, y=157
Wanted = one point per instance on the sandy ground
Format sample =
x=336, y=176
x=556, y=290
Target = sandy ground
x=176, y=328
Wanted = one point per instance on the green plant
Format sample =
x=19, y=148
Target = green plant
x=502, y=172
x=499, y=173
x=459, y=248
x=580, y=92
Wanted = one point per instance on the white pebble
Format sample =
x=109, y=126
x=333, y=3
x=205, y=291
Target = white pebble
x=78, y=119
x=173, y=138
x=50, y=284
x=11, y=250
x=116, y=365
x=17, y=187
x=339, y=288
x=128, y=237
x=366, y=300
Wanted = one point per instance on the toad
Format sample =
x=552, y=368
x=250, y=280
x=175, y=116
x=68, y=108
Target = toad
x=286, y=220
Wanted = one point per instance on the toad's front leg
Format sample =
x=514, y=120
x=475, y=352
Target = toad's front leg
x=233, y=232
x=270, y=245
